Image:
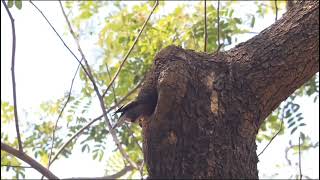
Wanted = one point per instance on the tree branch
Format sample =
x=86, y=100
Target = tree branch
x=24, y=157
x=91, y=122
x=300, y=172
x=56, y=32
x=129, y=52
x=282, y=117
x=95, y=87
x=281, y=58
x=114, y=176
x=79, y=61
x=59, y=116
x=15, y=109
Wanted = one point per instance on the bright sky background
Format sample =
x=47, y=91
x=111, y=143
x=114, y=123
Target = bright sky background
x=44, y=69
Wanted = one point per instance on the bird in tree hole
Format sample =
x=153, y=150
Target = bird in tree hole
x=143, y=106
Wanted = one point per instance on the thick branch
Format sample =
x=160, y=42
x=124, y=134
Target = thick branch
x=24, y=157
x=281, y=58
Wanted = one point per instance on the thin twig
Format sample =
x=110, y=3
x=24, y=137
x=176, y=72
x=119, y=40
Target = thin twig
x=87, y=68
x=133, y=45
x=141, y=169
x=95, y=87
x=15, y=166
x=276, y=5
x=64, y=43
x=286, y=154
x=113, y=88
x=115, y=102
x=64, y=106
x=132, y=134
x=24, y=157
x=113, y=176
x=205, y=26
x=15, y=107
x=54, y=30
x=218, y=26
x=274, y=135
x=300, y=160
x=79, y=61
x=91, y=122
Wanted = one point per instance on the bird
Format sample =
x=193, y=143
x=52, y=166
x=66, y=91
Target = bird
x=142, y=107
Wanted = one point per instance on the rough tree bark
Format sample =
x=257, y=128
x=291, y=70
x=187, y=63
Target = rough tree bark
x=210, y=106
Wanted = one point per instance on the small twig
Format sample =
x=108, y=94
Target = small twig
x=90, y=76
x=218, y=19
x=114, y=176
x=276, y=5
x=300, y=160
x=24, y=157
x=129, y=52
x=100, y=97
x=55, y=32
x=274, y=135
x=15, y=166
x=79, y=61
x=86, y=69
x=293, y=146
x=286, y=155
x=132, y=134
x=64, y=106
x=115, y=102
x=15, y=107
x=91, y=122
x=141, y=169
x=113, y=88
x=205, y=26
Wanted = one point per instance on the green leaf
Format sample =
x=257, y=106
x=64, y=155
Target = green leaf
x=83, y=148
x=300, y=119
x=18, y=4
x=291, y=119
x=253, y=20
x=101, y=155
x=303, y=136
x=10, y=3
x=290, y=125
x=294, y=129
x=302, y=124
x=95, y=155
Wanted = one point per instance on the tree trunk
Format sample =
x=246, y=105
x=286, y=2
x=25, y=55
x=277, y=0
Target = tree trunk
x=210, y=106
